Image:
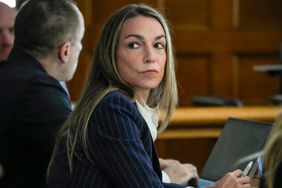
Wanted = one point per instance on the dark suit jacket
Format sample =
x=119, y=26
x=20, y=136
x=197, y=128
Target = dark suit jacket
x=121, y=148
x=33, y=106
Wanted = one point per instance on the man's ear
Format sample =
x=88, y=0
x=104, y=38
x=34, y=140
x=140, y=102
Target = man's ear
x=64, y=52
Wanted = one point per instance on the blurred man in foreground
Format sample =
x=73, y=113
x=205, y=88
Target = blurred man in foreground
x=7, y=19
x=34, y=105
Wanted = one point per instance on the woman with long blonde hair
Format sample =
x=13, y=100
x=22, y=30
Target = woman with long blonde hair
x=108, y=140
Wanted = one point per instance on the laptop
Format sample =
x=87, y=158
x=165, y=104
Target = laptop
x=239, y=138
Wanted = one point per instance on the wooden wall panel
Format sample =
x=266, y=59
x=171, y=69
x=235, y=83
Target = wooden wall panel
x=195, y=16
x=193, y=76
x=223, y=38
x=195, y=151
x=217, y=29
x=255, y=86
x=103, y=9
x=262, y=14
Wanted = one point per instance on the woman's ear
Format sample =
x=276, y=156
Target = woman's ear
x=64, y=52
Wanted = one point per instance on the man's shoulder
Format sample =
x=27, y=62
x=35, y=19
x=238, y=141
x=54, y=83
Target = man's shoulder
x=28, y=81
x=23, y=77
x=19, y=68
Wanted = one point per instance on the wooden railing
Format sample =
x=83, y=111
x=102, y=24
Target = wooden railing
x=192, y=132
x=199, y=122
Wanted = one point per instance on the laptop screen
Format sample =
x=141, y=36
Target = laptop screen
x=239, y=138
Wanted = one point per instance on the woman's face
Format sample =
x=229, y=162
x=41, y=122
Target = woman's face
x=141, y=54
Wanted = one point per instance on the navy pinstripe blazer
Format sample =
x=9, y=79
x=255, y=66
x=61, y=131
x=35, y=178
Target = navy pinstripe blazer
x=122, y=151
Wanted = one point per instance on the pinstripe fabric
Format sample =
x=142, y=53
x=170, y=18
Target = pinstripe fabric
x=122, y=151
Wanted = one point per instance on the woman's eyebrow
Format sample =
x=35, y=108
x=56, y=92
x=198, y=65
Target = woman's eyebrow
x=159, y=37
x=142, y=38
x=135, y=36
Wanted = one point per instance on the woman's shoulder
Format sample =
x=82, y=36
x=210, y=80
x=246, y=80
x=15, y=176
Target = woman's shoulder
x=118, y=94
x=116, y=101
x=116, y=116
x=117, y=97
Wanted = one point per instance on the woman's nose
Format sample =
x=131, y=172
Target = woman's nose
x=149, y=56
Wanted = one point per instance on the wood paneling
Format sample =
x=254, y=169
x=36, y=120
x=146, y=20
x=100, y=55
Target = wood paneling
x=194, y=151
x=198, y=16
x=217, y=42
x=223, y=37
x=254, y=90
x=196, y=81
x=262, y=14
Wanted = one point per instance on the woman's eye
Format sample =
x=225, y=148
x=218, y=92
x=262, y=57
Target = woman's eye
x=134, y=45
x=159, y=46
